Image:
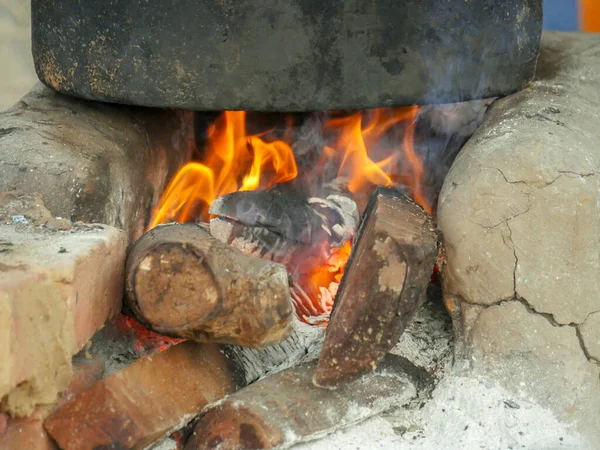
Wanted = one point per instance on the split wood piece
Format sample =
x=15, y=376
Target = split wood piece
x=384, y=284
x=145, y=401
x=286, y=408
x=182, y=282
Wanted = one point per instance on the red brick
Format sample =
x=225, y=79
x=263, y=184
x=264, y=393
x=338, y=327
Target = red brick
x=27, y=433
x=145, y=401
x=56, y=290
x=86, y=372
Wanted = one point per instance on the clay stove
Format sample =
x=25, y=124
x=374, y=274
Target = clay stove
x=284, y=198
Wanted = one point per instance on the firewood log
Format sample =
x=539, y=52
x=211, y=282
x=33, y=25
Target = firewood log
x=182, y=282
x=384, y=283
x=286, y=408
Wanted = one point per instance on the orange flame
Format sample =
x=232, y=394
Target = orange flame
x=319, y=286
x=235, y=161
x=356, y=139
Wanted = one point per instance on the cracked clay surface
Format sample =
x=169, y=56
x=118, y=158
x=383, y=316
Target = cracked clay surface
x=520, y=217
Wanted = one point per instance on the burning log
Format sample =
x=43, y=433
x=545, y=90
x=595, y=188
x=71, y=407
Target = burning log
x=384, y=284
x=182, y=282
x=145, y=401
x=290, y=214
x=308, y=235
x=286, y=408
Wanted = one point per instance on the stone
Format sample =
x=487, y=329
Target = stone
x=520, y=221
x=17, y=74
x=58, y=223
x=56, y=289
x=29, y=206
x=90, y=161
x=540, y=359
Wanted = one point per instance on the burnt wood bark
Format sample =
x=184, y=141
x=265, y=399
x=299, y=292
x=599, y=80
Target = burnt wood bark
x=286, y=408
x=384, y=284
x=291, y=214
x=182, y=282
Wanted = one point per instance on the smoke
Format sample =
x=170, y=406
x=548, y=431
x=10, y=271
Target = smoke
x=445, y=129
x=440, y=130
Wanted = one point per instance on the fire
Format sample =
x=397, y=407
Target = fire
x=358, y=134
x=234, y=161
x=315, y=298
x=237, y=161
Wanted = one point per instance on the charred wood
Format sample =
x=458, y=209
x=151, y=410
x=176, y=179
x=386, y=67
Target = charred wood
x=252, y=364
x=291, y=215
x=182, y=282
x=384, y=284
x=258, y=223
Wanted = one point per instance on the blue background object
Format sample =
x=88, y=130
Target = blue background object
x=561, y=15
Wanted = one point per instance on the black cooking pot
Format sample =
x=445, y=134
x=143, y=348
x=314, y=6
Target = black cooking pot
x=285, y=55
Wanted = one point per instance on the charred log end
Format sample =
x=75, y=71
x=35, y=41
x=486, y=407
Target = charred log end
x=183, y=282
x=233, y=427
x=167, y=278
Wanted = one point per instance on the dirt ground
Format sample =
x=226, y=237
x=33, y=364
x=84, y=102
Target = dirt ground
x=17, y=75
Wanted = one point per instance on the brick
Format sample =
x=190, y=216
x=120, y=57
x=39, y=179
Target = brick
x=145, y=401
x=92, y=162
x=27, y=433
x=86, y=372
x=56, y=290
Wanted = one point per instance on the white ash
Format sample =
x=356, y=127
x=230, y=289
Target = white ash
x=166, y=444
x=463, y=413
x=357, y=413
x=428, y=341
x=346, y=221
x=304, y=344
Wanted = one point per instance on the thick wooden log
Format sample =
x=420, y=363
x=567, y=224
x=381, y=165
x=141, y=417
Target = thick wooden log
x=182, y=282
x=145, y=401
x=286, y=408
x=384, y=284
